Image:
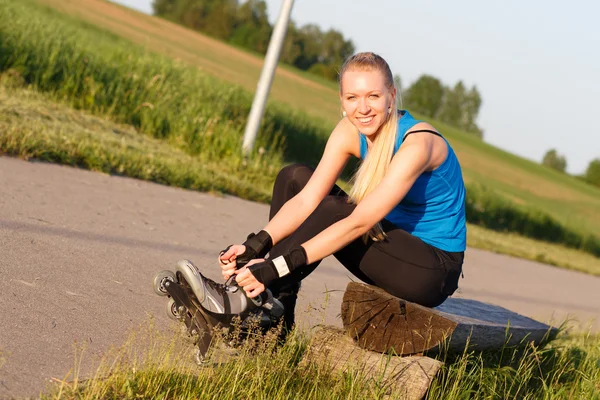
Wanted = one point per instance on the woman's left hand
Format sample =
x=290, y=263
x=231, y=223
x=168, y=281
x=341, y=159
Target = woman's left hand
x=248, y=282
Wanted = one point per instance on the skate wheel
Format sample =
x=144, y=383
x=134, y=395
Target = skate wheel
x=199, y=358
x=159, y=282
x=172, y=311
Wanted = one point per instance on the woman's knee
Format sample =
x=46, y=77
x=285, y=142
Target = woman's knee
x=294, y=174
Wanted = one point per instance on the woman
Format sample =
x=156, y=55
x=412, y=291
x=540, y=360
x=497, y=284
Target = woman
x=401, y=228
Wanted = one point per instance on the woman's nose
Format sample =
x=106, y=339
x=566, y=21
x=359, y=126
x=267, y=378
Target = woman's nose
x=363, y=106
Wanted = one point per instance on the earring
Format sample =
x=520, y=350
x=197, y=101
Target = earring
x=389, y=109
x=344, y=114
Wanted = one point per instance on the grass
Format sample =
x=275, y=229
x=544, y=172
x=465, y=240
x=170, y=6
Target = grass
x=153, y=364
x=529, y=249
x=572, y=202
x=93, y=70
x=34, y=126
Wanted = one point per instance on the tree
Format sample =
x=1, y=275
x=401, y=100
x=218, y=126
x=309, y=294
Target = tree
x=252, y=30
x=554, y=160
x=592, y=173
x=311, y=39
x=451, y=110
x=425, y=95
x=398, y=86
x=470, y=109
x=335, y=49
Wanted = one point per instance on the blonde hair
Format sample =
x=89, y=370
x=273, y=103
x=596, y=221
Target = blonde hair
x=376, y=163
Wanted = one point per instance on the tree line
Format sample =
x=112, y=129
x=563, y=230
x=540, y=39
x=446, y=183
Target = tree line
x=246, y=24
x=457, y=106
x=554, y=160
x=307, y=47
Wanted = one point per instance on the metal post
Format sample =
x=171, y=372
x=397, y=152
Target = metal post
x=266, y=77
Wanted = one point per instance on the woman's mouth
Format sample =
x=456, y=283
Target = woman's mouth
x=365, y=120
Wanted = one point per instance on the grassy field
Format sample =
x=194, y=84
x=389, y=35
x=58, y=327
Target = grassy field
x=159, y=366
x=195, y=115
x=34, y=126
x=119, y=112
x=572, y=202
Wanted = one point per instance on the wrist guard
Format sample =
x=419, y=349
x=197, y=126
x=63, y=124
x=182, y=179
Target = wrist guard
x=257, y=246
x=270, y=270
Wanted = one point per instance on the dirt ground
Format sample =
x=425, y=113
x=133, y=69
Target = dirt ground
x=78, y=251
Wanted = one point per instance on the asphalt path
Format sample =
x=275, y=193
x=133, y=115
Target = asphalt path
x=79, y=250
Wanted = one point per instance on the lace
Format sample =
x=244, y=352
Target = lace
x=220, y=288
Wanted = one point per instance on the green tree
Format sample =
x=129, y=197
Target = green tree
x=451, y=110
x=311, y=37
x=470, y=110
x=398, y=86
x=163, y=8
x=425, y=95
x=334, y=48
x=292, y=46
x=592, y=173
x=220, y=19
x=554, y=160
x=252, y=30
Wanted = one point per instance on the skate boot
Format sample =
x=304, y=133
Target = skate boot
x=215, y=297
x=204, y=304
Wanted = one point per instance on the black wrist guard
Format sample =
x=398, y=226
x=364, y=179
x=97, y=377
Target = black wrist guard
x=257, y=246
x=266, y=272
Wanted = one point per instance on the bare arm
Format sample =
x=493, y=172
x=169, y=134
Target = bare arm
x=411, y=160
x=342, y=143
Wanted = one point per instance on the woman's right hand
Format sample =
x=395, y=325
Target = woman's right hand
x=227, y=259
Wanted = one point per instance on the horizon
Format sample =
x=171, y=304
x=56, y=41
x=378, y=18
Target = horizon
x=522, y=114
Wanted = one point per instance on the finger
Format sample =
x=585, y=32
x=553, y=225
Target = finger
x=234, y=251
x=228, y=268
x=244, y=280
x=256, y=291
x=255, y=261
x=226, y=260
x=251, y=286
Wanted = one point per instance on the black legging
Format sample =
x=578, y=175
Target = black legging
x=403, y=265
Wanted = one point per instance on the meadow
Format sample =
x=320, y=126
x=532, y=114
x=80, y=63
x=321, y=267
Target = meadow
x=99, y=86
x=160, y=365
x=87, y=67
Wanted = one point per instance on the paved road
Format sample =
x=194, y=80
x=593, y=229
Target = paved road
x=78, y=251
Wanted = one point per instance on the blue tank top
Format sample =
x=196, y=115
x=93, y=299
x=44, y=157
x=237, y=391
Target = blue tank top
x=434, y=207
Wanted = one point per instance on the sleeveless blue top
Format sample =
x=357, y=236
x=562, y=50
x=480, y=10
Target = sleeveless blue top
x=434, y=207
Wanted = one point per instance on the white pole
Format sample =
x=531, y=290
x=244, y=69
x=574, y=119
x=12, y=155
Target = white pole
x=266, y=77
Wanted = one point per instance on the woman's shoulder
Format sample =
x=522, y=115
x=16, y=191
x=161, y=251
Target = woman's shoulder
x=422, y=126
x=346, y=137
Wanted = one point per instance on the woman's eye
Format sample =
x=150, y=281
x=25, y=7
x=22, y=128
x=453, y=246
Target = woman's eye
x=374, y=96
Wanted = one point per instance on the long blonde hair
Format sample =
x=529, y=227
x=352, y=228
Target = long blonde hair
x=376, y=163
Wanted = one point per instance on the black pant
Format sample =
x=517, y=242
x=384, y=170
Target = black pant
x=403, y=265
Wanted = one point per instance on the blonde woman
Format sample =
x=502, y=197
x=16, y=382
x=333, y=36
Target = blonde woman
x=401, y=227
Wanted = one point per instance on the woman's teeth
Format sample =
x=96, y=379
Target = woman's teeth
x=366, y=120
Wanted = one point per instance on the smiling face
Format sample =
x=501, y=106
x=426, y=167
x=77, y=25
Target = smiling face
x=366, y=98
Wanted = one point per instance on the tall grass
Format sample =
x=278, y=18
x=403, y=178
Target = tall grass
x=160, y=365
x=489, y=209
x=104, y=74
x=567, y=368
x=32, y=126
x=91, y=69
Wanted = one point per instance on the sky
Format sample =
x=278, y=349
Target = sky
x=535, y=63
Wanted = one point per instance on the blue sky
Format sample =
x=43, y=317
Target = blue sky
x=535, y=63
